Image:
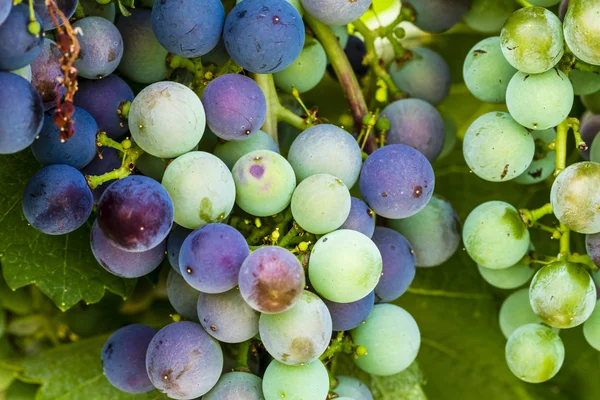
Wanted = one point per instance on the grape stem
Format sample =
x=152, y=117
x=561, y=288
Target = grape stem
x=585, y=260
x=565, y=243
x=337, y=345
x=560, y=144
x=241, y=361
x=529, y=217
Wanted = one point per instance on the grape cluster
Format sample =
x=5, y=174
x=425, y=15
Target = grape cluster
x=537, y=66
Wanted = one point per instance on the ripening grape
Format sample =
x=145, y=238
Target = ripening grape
x=592, y=247
x=575, y=196
x=539, y=101
x=45, y=70
x=230, y=152
x=346, y=316
x=591, y=328
x=544, y=160
x=507, y=278
x=101, y=47
x=534, y=353
x=488, y=16
x=336, y=12
x=236, y=386
x=486, y=72
x=352, y=387
x=496, y=148
x=495, y=236
x=283, y=381
x=438, y=15
x=344, y=266
x=182, y=296
x=391, y=337
x=18, y=47
x=582, y=30
x=532, y=40
x=306, y=71
x=361, y=218
x=515, y=312
x=584, y=82
x=562, y=294
x=398, y=259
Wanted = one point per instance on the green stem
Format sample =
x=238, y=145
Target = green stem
x=335, y=347
x=579, y=142
x=585, y=260
x=131, y=155
x=267, y=85
x=290, y=235
x=585, y=67
x=556, y=233
x=241, y=361
x=529, y=217
x=561, y=146
x=565, y=242
x=123, y=109
x=102, y=139
x=286, y=115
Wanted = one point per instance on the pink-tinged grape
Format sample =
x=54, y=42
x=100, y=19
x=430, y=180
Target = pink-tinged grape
x=101, y=47
x=488, y=16
x=591, y=328
x=182, y=296
x=495, y=236
x=562, y=294
x=283, y=381
x=346, y=316
x=336, y=12
x=271, y=279
x=544, y=160
x=438, y=15
x=230, y=152
x=398, y=264
x=306, y=71
x=582, y=31
x=236, y=386
x=361, y=218
x=392, y=340
x=352, y=388
x=575, y=196
x=344, y=266
x=592, y=247
x=515, y=312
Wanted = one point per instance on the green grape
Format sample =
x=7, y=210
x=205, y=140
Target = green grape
x=264, y=183
x=306, y=71
x=230, y=152
x=534, y=353
x=575, y=196
x=515, y=312
x=582, y=30
x=488, y=16
x=151, y=166
x=282, y=381
x=584, y=83
x=507, y=278
x=201, y=187
x=539, y=101
x=449, y=135
x=486, y=72
x=544, y=3
x=341, y=32
x=351, y=386
x=591, y=328
x=562, y=294
x=532, y=40
x=392, y=340
x=321, y=203
x=544, y=160
x=344, y=266
x=24, y=72
x=494, y=235
x=497, y=148
x=595, y=150
x=592, y=102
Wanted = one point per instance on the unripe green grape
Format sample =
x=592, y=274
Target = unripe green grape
x=544, y=160
x=532, y=40
x=507, y=278
x=544, y=3
x=562, y=294
x=494, y=235
x=582, y=30
x=230, y=152
x=515, y=312
x=591, y=328
x=488, y=16
x=534, y=353
x=575, y=197
x=283, y=381
x=497, y=148
x=540, y=101
x=306, y=71
x=583, y=82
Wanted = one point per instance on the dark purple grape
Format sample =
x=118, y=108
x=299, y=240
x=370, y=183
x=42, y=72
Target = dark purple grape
x=101, y=47
x=126, y=264
x=562, y=10
x=102, y=98
x=18, y=47
x=398, y=264
x=5, y=7
x=361, y=218
x=589, y=128
x=271, y=279
x=592, y=246
x=438, y=15
x=396, y=181
x=111, y=160
x=22, y=113
x=355, y=51
x=210, y=258
x=66, y=6
x=135, y=213
x=124, y=358
x=183, y=361
x=57, y=200
x=174, y=242
x=45, y=70
x=346, y=316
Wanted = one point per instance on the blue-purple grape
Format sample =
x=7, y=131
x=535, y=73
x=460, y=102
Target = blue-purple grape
x=352, y=387
x=438, y=15
x=182, y=296
x=174, y=242
x=101, y=47
x=19, y=47
x=361, y=218
x=346, y=316
x=592, y=247
x=355, y=51
x=66, y=6
x=336, y=12
x=45, y=71
x=398, y=264
x=306, y=71
x=5, y=8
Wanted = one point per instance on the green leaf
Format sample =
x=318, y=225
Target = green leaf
x=15, y=301
x=72, y=372
x=63, y=267
x=124, y=10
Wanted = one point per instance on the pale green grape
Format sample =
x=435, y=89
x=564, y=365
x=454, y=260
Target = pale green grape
x=236, y=386
x=282, y=381
x=584, y=83
x=321, y=203
x=344, y=266
x=264, y=182
x=544, y=161
x=582, y=30
x=486, y=72
x=449, y=135
x=595, y=150
x=341, y=32
x=151, y=166
x=575, y=196
x=201, y=187
x=494, y=235
x=515, y=312
x=507, y=278
x=306, y=71
x=230, y=152
x=539, y=101
x=351, y=386
x=488, y=16
x=532, y=40
x=591, y=328
x=562, y=294
x=497, y=148
x=391, y=337
x=592, y=102
x=534, y=353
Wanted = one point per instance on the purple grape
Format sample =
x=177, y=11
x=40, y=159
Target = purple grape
x=45, y=70
x=57, y=200
x=398, y=264
x=361, y=218
x=271, y=279
x=66, y=6
x=592, y=246
x=124, y=358
x=210, y=258
x=235, y=106
x=77, y=151
x=438, y=15
x=101, y=47
x=135, y=213
x=396, y=181
x=5, y=7
x=188, y=28
x=22, y=113
x=562, y=10
x=18, y=47
x=355, y=51
x=346, y=316
x=182, y=296
x=102, y=98
x=183, y=361
x=174, y=242
x=589, y=128
x=111, y=160
x=125, y=264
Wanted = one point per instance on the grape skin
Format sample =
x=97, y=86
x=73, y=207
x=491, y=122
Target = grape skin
x=515, y=312
x=336, y=12
x=66, y=6
x=488, y=16
x=101, y=47
x=582, y=30
x=306, y=71
x=5, y=8
x=45, y=70
x=174, y=241
x=398, y=264
x=93, y=8
x=283, y=381
x=438, y=15
x=584, y=82
x=544, y=160
x=236, y=386
x=591, y=328
x=351, y=386
x=230, y=152
x=182, y=296
x=507, y=278
x=360, y=219
x=347, y=316
x=592, y=102
x=18, y=47
x=592, y=247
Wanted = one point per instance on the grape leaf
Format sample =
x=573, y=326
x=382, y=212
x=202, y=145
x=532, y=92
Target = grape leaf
x=63, y=267
x=72, y=372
